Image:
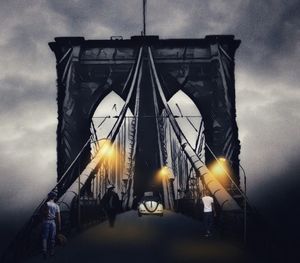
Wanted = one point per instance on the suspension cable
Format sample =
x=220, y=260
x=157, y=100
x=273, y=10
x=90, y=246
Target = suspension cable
x=122, y=114
x=181, y=137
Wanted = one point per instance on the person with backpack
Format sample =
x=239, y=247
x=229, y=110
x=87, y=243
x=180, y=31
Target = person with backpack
x=50, y=214
x=111, y=204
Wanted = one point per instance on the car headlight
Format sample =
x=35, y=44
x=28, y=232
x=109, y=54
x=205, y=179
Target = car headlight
x=160, y=207
x=142, y=207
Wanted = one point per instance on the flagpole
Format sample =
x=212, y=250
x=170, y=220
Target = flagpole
x=144, y=16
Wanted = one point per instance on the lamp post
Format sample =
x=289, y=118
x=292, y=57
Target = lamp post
x=220, y=168
x=105, y=153
x=79, y=203
x=245, y=204
x=167, y=178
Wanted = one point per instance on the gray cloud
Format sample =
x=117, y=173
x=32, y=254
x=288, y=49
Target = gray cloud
x=267, y=75
x=18, y=90
x=96, y=19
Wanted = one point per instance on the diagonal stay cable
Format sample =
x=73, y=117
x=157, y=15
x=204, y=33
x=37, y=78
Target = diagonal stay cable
x=105, y=118
x=188, y=119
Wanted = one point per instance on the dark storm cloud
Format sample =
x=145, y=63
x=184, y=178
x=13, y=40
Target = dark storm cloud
x=99, y=18
x=267, y=76
x=269, y=30
x=270, y=37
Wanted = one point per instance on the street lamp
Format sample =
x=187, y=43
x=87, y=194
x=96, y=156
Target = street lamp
x=219, y=169
x=106, y=148
x=167, y=179
x=222, y=171
x=104, y=155
x=164, y=171
x=245, y=204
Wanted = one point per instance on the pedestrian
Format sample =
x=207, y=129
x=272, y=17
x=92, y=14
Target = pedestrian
x=50, y=214
x=111, y=204
x=209, y=212
x=134, y=202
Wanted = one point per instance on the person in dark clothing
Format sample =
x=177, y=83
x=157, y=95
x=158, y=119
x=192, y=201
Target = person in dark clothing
x=111, y=204
x=134, y=203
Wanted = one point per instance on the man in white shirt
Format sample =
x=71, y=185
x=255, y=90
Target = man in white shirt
x=209, y=212
x=51, y=212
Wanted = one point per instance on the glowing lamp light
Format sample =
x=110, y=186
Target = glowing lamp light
x=164, y=171
x=106, y=149
x=219, y=167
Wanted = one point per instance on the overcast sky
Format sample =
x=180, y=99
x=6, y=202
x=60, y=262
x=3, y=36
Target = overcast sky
x=267, y=78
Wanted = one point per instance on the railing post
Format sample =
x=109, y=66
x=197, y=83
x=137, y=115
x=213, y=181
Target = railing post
x=79, y=216
x=245, y=205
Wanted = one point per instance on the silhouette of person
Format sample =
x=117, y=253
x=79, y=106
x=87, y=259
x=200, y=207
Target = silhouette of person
x=135, y=202
x=111, y=204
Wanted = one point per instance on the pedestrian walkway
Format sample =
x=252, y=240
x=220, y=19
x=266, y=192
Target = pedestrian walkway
x=172, y=238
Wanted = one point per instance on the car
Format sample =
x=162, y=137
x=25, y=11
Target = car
x=150, y=204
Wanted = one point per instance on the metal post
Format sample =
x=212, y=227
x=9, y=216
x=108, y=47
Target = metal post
x=245, y=205
x=117, y=165
x=93, y=186
x=124, y=147
x=245, y=202
x=97, y=184
x=100, y=182
x=106, y=175
x=144, y=16
x=79, y=216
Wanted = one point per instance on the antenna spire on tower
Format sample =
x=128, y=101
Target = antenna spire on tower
x=144, y=16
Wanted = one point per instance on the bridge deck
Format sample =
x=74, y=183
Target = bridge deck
x=172, y=238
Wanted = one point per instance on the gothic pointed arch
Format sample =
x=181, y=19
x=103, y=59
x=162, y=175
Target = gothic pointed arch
x=205, y=72
x=88, y=70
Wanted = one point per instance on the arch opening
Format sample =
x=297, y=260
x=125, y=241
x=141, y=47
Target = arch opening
x=113, y=167
x=187, y=115
x=186, y=183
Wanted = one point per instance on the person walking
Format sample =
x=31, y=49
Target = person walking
x=50, y=214
x=209, y=212
x=111, y=204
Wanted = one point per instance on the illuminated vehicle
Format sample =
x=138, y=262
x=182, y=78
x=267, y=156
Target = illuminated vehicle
x=150, y=205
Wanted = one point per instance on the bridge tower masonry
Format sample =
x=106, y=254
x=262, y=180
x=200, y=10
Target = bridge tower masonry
x=87, y=70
